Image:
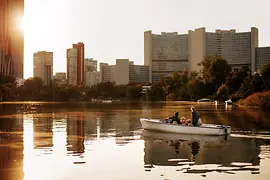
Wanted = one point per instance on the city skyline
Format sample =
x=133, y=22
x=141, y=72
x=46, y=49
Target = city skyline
x=113, y=30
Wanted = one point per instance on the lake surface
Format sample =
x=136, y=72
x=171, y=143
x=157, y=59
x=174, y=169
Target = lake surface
x=43, y=141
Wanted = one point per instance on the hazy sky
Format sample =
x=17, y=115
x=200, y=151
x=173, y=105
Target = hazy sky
x=114, y=29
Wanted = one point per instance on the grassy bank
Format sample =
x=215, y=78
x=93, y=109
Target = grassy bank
x=259, y=99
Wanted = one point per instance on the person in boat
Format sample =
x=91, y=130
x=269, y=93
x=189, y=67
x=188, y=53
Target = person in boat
x=175, y=119
x=194, y=116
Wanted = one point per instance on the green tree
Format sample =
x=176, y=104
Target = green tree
x=215, y=70
x=31, y=90
x=236, y=79
x=156, y=93
x=195, y=89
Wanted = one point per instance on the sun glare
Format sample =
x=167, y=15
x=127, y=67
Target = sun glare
x=21, y=24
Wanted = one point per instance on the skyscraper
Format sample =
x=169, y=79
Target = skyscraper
x=72, y=66
x=80, y=62
x=43, y=66
x=11, y=37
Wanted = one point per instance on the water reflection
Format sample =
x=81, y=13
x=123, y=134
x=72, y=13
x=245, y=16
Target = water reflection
x=58, y=140
x=11, y=145
x=189, y=150
x=75, y=135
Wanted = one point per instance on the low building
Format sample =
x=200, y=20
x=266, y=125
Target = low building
x=124, y=72
x=91, y=78
x=60, y=78
x=19, y=82
x=108, y=73
x=262, y=57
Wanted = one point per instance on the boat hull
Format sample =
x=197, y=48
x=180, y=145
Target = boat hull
x=205, y=129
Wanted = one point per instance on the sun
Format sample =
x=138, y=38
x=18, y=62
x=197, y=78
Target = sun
x=21, y=24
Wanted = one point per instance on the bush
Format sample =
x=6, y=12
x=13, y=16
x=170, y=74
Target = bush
x=259, y=99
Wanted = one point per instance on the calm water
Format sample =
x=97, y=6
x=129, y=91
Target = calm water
x=106, y=141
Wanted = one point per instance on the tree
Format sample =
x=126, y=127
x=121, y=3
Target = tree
x=156, y=93
x=222, y=93
x=5, y=79
x=215, y=70
x=257, y=83
x=31, y=90
x=236, y=79
x=195, y=89
x=265, y=72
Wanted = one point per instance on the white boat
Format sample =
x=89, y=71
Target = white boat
x=107, y=101
x=204, y=129
x=153, y=135
x=228, y=102
x=204, y=100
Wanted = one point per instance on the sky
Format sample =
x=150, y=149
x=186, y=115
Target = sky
x=114, y=29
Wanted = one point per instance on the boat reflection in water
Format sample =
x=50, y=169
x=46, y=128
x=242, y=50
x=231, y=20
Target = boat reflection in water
x=201, y=154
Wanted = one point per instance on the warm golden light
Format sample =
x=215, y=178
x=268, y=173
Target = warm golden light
x=21, y=24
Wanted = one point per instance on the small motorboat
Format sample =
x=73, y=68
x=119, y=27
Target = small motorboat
x=204, y=129
x=228, y=102
x=153, y=135
x=204, y=100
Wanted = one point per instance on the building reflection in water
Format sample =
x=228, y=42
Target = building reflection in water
x=11, y=149
x=161, y=147
x=75, y=134
x=43, y=132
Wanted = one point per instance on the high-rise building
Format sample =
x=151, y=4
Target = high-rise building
x=80, y=62
x=43, y=66
x=166, y=53
x=11, y=37
x=72, y=66
x=262, y=57
x=238, y=48
x=75, y=64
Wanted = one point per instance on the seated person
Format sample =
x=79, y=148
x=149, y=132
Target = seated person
x=175, y=119
x=183, y=121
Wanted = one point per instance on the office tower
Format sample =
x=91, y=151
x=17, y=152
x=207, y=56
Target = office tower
x=43, y=66
x=72, y=66
x=238, y=48
x=11, y=38
x=80, y=62
x=166, y=53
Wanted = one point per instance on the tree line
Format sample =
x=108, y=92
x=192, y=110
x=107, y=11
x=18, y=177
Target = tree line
x=215, y=81
x=34, y=89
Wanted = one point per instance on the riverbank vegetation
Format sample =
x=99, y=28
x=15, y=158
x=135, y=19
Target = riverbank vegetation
x=215, y=81
x=259, y=99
